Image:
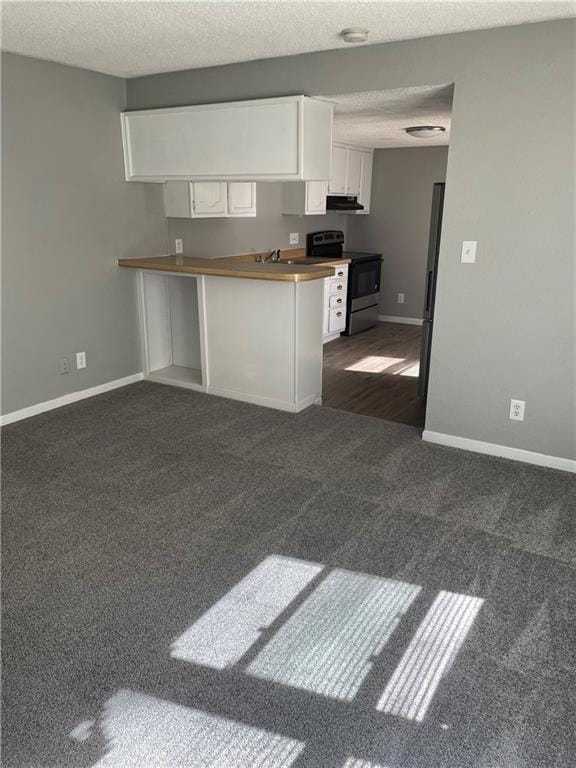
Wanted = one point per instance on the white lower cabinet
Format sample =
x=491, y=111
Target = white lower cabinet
x=336, y=320
x=258, y=341
x=336, y=300
x=335, y=295
x=305, y=198
x=209, y=199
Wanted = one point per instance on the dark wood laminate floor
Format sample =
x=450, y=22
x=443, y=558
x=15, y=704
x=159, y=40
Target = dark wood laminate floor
x=375, y=373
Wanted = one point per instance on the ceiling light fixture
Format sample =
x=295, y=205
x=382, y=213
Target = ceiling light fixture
x=424, y=131
x=354, y=35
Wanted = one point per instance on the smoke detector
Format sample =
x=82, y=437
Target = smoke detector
x=354, y=35
x=424, y=131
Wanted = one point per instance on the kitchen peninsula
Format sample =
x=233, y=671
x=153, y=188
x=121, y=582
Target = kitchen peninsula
x=234, y=326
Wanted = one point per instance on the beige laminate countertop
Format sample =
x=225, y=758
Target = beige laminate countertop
x=241, y=266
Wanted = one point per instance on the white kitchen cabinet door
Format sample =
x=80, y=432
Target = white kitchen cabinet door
x=337, y=184
x=304, y=198
x=353, y=171
x=335, y=292
x=178, y=199
x=365, y=181
x=209, y=198
x=336, y=320
x=279, y=139
x=316, y=192
x=241, y=198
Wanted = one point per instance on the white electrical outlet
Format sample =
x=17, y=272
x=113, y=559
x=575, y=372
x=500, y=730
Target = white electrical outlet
x=80, y=360
x=468, y=251
x=517, y=409
x=64, y=365
x=400, y=298
x=294, y=239
x=179, y=245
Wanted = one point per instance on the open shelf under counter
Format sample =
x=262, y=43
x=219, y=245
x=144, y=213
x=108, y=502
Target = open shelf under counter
x=172, y=334
x=177, y=375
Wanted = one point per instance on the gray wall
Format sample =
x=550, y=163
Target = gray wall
x=399, y=222
x=67, y=216
x=504, y=327
x=270, y=229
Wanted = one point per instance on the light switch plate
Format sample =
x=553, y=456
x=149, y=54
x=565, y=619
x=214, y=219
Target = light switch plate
x=468, y=251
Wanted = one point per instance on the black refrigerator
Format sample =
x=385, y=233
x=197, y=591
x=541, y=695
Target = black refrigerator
x=430, y=294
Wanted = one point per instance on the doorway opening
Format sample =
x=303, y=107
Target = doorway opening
x=382, y=370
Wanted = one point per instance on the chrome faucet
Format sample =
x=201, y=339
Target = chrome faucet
x=273, y=256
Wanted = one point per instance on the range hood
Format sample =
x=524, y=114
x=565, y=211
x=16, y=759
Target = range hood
x=340, y=203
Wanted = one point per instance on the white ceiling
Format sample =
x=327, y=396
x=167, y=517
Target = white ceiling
x=129, y=39
x=378, y=118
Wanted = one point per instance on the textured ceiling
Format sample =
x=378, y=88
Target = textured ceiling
x=378, y=118
x=129, y=39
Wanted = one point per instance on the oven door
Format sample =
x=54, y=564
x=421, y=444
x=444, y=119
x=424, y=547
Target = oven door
x=364, y=283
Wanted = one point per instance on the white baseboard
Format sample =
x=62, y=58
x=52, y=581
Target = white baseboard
x=331, y=337
x=405, y=320
x=503, y=451
x=267, y=402
x=72, y=397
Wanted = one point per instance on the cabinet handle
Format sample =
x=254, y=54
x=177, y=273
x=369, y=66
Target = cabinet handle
x=338, y=314
x=339, y=301
x=340, y=274
x=339, y=288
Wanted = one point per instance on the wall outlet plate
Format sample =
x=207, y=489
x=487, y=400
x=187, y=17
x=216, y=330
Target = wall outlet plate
x=400, y=298
x=179, y=245
x=64, y=365
x=294, y=238
x=517, y=408
x=80, y=360
x=468, y=251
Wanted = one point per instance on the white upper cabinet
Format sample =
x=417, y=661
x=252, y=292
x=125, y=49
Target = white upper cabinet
x=316, y=192
x=346, y=173
x=178, y=196
x=353, y=171
x=337, y=184
x=241, y=198
x=209, y=199
x=280, y=139
x=304, y=198
x=352, y=174
x=365, y=180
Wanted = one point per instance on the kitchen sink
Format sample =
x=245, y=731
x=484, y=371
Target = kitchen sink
x=306, y=262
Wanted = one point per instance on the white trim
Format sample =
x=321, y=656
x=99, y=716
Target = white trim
x=267, y=402
x=72, y=397
x=405, y=320
x=504, y=451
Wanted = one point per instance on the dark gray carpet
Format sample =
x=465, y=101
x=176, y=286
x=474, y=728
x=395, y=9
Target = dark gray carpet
x=332, y=546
